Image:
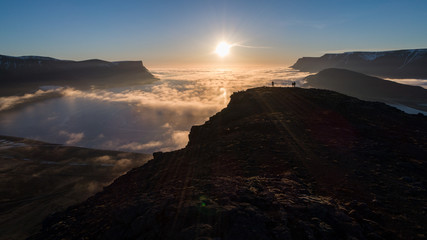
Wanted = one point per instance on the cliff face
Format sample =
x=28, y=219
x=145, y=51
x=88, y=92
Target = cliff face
x=277, y=163
x=392, y=64
x=368, y=88
x=35, y=71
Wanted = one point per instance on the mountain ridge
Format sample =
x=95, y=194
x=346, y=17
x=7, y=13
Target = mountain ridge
x=409, y=63
x=368, y=87
x=20, y=74
x=277, y=163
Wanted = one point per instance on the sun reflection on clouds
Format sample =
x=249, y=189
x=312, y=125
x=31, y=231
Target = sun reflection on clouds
x=149, y=118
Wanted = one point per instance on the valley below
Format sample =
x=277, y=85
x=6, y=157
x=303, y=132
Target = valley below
x=277, y=163
x=63, y=167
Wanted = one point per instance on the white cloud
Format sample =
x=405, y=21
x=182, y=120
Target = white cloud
x=73, y=138
x=13, y=101
x=106, y=159
x=180, y=138
x=135, y=146
x=158, y=116
x=123, y=164
x=194, y=89
x=149, y=118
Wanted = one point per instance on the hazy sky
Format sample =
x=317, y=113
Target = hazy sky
x=175, y=32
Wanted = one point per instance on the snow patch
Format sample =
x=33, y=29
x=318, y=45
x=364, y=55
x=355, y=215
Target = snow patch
x=410, y=56
x=371, y=56
x=37, y=58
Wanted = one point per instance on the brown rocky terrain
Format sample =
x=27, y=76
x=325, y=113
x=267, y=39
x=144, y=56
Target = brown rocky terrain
x=277, y=163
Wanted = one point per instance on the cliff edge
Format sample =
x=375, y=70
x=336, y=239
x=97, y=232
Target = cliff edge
x=277, y=163
x=20, y=74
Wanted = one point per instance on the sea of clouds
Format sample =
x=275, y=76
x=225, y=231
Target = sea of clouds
x=148, y=118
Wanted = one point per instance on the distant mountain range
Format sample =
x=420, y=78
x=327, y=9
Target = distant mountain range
x=392, y=64
x=32, y=71
x=368, y=88
x=277, y=163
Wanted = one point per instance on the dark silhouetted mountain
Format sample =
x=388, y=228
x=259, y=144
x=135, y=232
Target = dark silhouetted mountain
x=391, y=64
x=32, y=71
x=39, y=178
x=368, y=88
x=277, y=163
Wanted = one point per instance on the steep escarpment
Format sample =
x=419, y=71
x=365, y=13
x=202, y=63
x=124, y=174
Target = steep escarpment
x=368, y=88
x=277, y=163
x=392, y=64
x=32, y=71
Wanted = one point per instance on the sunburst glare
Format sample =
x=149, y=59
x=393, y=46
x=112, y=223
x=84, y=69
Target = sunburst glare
x=223, y=49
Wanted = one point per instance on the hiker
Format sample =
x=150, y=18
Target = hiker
x=272, y=84
x=293, y=84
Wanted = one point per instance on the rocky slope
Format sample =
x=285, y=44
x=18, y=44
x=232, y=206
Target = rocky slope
x=368, y=88
x=277, y=163
x=39, y=178
x=392, y=64
x=33, y=71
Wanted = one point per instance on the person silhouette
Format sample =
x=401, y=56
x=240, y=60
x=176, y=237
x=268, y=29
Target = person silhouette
x=272, y=84
x=293, y=84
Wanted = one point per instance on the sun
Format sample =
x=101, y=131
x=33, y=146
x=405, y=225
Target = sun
x=223, y=49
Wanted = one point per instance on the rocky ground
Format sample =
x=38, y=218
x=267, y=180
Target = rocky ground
x=277, y=163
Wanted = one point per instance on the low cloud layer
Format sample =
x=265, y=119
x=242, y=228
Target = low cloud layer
x=7, y=103
x=72, y=138
x=149, y=118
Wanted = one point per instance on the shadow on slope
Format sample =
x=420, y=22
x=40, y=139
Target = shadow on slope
x=277, y=163
x=369, y=88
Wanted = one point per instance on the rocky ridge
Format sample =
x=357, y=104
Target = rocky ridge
x=277, y=163
x=33, y=71
x=392, y=64
x=368, y=88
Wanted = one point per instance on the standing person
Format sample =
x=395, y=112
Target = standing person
x=272, y=84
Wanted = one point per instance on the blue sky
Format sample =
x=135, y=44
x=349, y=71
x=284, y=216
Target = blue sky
x=186, y=32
